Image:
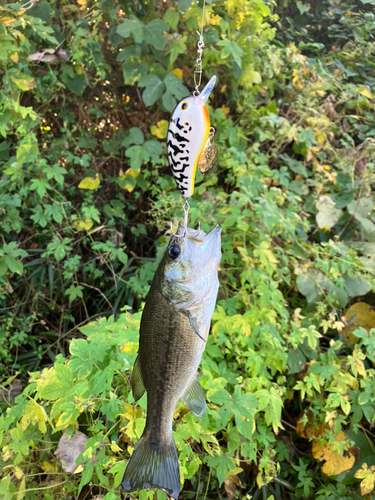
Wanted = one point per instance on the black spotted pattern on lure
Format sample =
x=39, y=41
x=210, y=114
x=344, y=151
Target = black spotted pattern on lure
x=178, y=148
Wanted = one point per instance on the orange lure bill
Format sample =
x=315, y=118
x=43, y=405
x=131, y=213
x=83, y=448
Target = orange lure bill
x=188, y=134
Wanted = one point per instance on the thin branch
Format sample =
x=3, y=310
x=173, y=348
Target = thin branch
x=97, y=289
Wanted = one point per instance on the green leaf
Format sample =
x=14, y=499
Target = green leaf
x=355, y=287
x=237, y=53
x=176, y=48
x=15, y=266
x=41, y=186
x=131, y=51
x=172, y=17
x=154, y=88
x=169, y=102
x=86, y=476
x=74, y=292
x=222, y=464
x=175, y=86
x=136, y=136
x=153, y=33
x=154, y=149
x=137, y=155
x=133, y=27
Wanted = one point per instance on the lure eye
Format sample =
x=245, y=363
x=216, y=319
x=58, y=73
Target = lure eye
x=184, y=106
x=174, y=252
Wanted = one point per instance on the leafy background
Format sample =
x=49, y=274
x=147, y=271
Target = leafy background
x=85, y=199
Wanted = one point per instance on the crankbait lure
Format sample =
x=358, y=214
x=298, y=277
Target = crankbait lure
x=189, y=141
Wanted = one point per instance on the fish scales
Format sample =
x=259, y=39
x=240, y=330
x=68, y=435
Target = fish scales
x=175, y=350
x=174, y=328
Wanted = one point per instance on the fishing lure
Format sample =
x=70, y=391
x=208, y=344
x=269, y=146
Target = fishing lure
x=189, y=139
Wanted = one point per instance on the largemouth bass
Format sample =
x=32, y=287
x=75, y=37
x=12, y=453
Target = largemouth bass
x=174, y=329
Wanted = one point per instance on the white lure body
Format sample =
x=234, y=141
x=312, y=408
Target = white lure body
x=188, y=133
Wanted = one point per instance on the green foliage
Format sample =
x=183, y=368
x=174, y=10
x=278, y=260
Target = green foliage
x=85, y=200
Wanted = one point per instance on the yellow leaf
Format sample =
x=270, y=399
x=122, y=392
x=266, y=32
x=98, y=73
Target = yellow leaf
x=335, y=463
x=21, y=489
x=130, y=348
x=25, y=83
x=126, y=181
x=15, y=57
x=78, y=469
x=359, y=314
x=115, y=448
x=366, y=93
x=84, y=225
x=179, y=73
x=368, y=476
x=83, y=4
x=34, y=414
x=18, y=472
x=6, y=20
x=215, y=20
x=89, y=183
x=7, y=454
x=20, y=35
x=78, y=70
x=160, y=130
x=320, y=136
x=250, y=77
x=48, y=467
x=225, y=109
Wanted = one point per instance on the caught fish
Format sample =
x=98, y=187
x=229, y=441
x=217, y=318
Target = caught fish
x=188, y=134
x=173, y=334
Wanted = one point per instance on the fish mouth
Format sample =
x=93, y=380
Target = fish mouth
x=215, y=231
x=198, y=234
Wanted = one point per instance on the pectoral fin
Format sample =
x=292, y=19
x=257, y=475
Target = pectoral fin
x=194, y=398
x=194, y=324
x=138, y=386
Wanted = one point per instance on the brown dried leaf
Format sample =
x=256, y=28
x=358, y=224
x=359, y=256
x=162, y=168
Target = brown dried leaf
x=230, y=487
x=11, y=391
x=69, y=449
x=51, y=56
x=311, y=429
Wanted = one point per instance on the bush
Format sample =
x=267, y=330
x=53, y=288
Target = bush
x=85, y=200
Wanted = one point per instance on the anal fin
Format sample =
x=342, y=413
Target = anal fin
x=138, y=386
x=194, y=398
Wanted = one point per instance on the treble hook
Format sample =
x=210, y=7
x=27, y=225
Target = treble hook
x=186, y=208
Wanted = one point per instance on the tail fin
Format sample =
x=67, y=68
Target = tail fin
x=153, y=467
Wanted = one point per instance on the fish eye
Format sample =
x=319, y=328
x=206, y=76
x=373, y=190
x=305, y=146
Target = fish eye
x=184, y=105
x=174, y=251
